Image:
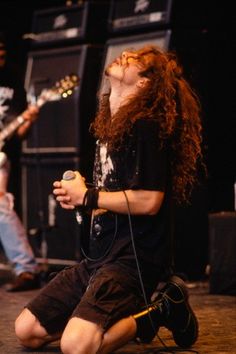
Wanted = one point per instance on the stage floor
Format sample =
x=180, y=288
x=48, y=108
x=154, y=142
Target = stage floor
x=216, y=315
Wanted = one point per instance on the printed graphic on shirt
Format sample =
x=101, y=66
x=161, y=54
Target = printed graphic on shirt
x=103, y=165
x=6, y=94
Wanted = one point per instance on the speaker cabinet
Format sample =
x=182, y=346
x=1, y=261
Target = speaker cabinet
x=43, y=217
x=138, y=15
x=85, y=21
x=150, y=15
x=62, y=125
x=222, y=231
x=115, y=46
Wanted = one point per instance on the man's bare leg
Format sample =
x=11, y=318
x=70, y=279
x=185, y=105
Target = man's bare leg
x=118, y=335
x=81, y=337
x=30, y=332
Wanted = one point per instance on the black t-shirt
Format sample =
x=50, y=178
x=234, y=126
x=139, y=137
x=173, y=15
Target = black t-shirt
x=12, y=95
x=141, y=163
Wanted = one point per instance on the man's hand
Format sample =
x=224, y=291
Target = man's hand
x=29, y=115
x=70, y=193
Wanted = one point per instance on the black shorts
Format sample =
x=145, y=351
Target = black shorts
x=103, y=297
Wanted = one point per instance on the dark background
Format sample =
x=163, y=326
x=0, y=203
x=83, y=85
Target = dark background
x=203, y=37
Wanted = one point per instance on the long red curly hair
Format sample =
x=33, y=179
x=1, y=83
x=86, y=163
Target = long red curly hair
x=167, y=98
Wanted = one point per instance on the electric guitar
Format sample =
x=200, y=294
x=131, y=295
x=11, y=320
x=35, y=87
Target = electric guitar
x=62, y=89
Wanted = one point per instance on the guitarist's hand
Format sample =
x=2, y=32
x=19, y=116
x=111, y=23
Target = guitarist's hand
x=29, y=115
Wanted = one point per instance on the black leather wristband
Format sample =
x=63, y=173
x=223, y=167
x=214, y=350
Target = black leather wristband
x=91, y=200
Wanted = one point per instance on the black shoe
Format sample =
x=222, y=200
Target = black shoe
x=178, y=315
x=24, y=281
x=172, y=310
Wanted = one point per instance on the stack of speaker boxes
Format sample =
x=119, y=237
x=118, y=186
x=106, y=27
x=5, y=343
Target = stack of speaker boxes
x=65, y=41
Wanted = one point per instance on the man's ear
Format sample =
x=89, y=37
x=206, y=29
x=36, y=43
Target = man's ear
x=142, y=82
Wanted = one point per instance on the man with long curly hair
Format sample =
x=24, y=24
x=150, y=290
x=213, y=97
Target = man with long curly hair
x=148, y=147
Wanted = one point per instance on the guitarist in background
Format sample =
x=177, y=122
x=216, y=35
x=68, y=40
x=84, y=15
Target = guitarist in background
x=13, y=237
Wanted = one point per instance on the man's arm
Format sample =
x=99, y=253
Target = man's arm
x=141, y=202
x=70, y=194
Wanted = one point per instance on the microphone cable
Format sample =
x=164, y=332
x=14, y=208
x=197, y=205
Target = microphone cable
x=166, y=349
x=107, y=251
x=138, y=266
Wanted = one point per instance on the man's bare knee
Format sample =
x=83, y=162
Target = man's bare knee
x=28, y=330
x=81, y=337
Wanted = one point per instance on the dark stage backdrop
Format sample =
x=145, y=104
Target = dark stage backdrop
x=202, y=35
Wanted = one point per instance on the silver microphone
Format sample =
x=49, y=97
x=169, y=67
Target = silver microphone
x=67, y=176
